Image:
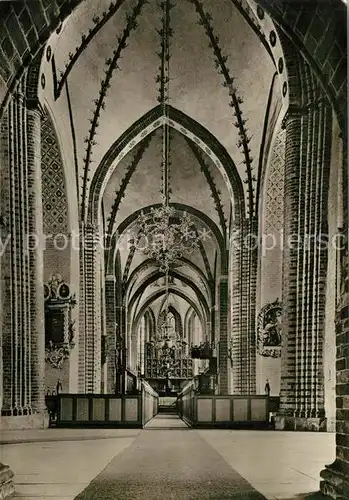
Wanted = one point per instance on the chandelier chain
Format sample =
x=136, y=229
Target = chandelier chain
x=165, y=96
x=168, y=236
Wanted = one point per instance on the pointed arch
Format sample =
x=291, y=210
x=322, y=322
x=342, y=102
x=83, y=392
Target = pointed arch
x=158, y=274
x=150, y=323
x=176, y=315
x=151, y=263
x=160, y=293
x=186, y=126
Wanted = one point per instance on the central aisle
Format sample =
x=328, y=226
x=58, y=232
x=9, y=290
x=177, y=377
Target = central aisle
x=166, y=421
x=169, y=464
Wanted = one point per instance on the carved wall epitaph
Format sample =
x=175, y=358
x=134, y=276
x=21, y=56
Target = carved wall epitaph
x=59, y=328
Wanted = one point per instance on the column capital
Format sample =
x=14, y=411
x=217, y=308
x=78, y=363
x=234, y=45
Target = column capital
x=90, y=226
x=19, y=96
x=110, y=277
x=34, y=106
x=295, y=111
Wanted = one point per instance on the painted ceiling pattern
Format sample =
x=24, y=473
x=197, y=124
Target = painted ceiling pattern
x=111, y=64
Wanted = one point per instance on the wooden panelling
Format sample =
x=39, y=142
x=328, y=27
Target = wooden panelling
x=66, y=409
x=107, y=410
x=240, y=412
x=222, y=413
x=204, y=409
x=115, y=409
x=98, y=412
x=131, y=410
x=82, y=409
x=258, y=409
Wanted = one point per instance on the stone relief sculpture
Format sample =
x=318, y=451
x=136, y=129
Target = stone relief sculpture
x=269, y=331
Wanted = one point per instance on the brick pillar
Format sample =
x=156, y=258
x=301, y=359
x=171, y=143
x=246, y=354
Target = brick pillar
x=15, y=264
x=6, y=310
x=307, y=161
x=110, y=310
x=23, y=334
x=121, y=348
x=243, y=279
x=6, y=474
x=223, y=360
x=82, y=315
x=336, y=476
x=90, y=310
x=212, y=324
x=131, y=343
x=36, y=261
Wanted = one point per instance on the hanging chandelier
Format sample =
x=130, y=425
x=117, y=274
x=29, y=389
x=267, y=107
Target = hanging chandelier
x=167, y=235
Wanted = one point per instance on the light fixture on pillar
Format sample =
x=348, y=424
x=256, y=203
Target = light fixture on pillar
x=167, y=235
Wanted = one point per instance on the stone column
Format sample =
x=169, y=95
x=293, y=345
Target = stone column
x=111, y=321
x=243, y=278
x=336, y=476
x=307, y=162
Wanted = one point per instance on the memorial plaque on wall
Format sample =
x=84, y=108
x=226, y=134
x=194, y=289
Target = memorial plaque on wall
x=54, y=327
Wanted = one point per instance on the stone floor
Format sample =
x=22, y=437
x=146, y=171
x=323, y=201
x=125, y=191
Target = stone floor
x=166, y=422
x=60, y=464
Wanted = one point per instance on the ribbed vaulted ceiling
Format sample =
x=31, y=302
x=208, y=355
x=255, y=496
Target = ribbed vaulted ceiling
x=104, y=74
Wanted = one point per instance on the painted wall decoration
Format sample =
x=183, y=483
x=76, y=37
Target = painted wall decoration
x=269, y=334
x=54, y=198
